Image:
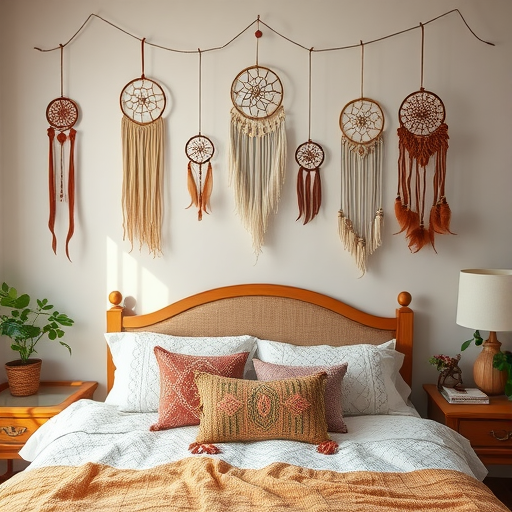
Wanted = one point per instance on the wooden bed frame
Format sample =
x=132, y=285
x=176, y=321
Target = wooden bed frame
x=272, y=312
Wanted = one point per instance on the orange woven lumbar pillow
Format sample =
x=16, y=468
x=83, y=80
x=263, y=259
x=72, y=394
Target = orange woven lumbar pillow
x=245, y=410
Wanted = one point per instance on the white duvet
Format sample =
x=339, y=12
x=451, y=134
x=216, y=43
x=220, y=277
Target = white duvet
x=90, y=431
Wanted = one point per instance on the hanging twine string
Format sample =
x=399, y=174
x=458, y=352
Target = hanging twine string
x=258, y=21
x=309, y=119
x=200, y=87
x=362, y=69
x=422, y=52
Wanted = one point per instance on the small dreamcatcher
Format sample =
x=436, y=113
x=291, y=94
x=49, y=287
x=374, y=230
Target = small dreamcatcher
x=422, y=134
x=143, y=103
x=361, y=214
x=62, y=115
x=257, y=160
x=199, y=150
x=310, y=157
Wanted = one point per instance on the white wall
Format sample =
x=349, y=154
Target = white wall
x=473, y=80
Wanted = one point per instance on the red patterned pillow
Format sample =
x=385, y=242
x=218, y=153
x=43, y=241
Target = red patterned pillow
x=179, y=398
x=335, y=374
x=251, y=410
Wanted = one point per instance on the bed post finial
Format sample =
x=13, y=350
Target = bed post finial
x=115, y=298
x=404, y=299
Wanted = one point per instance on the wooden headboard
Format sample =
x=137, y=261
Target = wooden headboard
x=272, y=312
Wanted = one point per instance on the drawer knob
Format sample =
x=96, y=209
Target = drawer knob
x=499, y=437
x=13, y=431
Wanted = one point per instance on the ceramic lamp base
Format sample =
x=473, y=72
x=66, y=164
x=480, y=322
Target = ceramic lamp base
x=488, y=379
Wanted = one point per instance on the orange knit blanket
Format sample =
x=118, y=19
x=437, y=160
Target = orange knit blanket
x=206, y=484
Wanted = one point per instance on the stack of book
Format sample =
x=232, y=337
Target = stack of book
x=465, y=396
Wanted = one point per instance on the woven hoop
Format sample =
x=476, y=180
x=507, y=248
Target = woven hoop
x=23, y=378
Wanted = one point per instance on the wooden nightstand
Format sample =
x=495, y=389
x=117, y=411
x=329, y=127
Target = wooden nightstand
x=20, y=417
x=487, y=427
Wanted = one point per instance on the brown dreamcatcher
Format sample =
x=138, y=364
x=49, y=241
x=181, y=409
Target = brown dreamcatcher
x=62, y=115
x=143, y=102
x=361, y=214
x=199, y=150
x=422, y=135
x=257, y=160
x=310, y=157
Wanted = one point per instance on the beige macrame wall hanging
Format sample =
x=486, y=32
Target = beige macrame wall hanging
x=257, y=158
x=199, y=150
x=142, y=127
x=62, y=115
x=310, y=157
x=361, y=215
x=422, y=135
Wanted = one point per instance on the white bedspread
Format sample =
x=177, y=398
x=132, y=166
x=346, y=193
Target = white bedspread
x=90, y=431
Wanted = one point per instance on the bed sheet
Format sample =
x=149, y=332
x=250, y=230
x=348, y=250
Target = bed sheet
x=96, y=432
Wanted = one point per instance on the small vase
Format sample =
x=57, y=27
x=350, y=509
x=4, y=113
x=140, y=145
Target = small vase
x=23, y=378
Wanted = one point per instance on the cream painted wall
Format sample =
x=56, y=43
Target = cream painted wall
x=473, y=80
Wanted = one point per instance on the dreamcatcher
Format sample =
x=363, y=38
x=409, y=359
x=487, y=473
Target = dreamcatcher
x=422, y=134
x=257, y=146
x=62, y=114
x=310, y=157
x=143, y=103
x=361, y=215
x=199, y=150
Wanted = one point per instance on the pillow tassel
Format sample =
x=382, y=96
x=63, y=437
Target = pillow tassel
x=328, y=447
x=210, y=449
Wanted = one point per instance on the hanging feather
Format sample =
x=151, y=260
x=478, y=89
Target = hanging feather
x=310, y=157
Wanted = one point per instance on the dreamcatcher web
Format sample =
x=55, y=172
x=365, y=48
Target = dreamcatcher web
x=143, y=100
x=422, y=113
x=309, y=155
x=199, y=149
x=62, y=113
x=362, y=121
x=257, y=92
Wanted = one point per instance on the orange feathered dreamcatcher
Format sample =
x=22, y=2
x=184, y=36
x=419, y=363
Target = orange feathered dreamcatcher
x=199, y=150
x=310, y=157
x=361, y=214
x=422, y=135
x=257, y=161
x=143, y=102
x=62, y=115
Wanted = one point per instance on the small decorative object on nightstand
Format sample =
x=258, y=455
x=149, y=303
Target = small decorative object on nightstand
x=487, y=427
x=450, y=375
x=20, y=417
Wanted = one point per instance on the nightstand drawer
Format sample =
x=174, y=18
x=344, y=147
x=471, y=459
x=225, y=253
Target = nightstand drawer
x=490, y=433
x=18, y=430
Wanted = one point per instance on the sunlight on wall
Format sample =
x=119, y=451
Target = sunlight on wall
x=141, y=290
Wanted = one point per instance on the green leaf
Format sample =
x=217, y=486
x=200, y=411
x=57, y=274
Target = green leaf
x=508, y=388
x=22, y=301
x=52, y=334
x=12, y=293
x=66, y=345
x=466, y=344
x=5, y=287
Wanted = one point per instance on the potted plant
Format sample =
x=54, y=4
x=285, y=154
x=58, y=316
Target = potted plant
x=26, y=325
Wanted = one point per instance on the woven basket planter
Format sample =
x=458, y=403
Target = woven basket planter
x=23, y=378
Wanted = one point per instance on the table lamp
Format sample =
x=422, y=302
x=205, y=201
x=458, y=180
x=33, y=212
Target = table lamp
x=485, y=303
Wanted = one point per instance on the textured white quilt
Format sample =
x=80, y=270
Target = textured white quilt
x=90, y=431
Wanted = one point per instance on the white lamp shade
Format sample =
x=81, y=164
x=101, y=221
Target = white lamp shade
x=485, y=299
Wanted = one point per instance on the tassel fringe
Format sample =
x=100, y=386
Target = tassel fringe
x=143, y=166
x=361, y=217
x=210, y=449
x=200, y=199
x=328, y=447
x=257, y=165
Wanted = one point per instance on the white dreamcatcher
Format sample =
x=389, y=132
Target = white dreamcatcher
x=361, y=214
x=143, y=102
x=257, y=160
